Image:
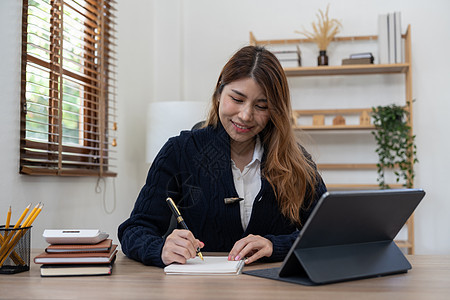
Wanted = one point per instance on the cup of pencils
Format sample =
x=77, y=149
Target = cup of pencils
x=15, y=242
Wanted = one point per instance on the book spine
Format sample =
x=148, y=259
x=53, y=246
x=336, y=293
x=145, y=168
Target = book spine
x=391, y=26
x=383, y=48
x=357, y=61
x=398, y=38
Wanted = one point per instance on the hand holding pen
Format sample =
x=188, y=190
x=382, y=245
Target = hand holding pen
x=180, y=244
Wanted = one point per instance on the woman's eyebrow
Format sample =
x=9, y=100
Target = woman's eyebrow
x=245, y=96
x=239, y=93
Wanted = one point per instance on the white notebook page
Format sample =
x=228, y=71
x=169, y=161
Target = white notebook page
x=212, y=265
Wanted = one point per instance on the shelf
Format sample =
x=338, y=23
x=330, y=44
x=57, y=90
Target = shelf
x=346, y=166
x=403, y=244
x=321, y=117
x=361, y=186
x=335, y=127
x=254, y=41
x=364, y=114
x=301, y=112
x=347, y=70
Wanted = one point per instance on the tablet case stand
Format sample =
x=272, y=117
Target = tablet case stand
x=330, y=264
x=349, y=235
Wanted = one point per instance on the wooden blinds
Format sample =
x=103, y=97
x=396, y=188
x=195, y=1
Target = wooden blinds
x=68, y=88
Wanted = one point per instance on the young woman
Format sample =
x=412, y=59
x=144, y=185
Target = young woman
x=246, y=149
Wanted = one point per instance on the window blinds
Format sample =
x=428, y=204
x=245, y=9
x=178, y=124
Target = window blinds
x=68, y=88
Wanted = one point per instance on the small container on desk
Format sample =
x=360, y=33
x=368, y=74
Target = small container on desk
x=14, y=249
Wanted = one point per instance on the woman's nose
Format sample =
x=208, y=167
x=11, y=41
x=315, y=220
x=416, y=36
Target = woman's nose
x=246, y=113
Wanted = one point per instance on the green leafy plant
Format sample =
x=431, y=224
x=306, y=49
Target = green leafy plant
x=395, y=144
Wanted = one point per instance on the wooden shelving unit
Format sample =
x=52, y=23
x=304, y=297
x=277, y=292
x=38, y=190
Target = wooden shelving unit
x=336, y=127
x=372, y=69
x=333, y=112
x=347, y=70
x=346, y=166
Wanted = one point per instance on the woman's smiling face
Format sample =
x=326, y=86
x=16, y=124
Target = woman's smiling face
x=243, y=110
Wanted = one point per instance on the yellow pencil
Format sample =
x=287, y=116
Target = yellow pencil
x=5, y=246
x=30, y=222
x=2, y=249
x=8, y=220
x=31, y=215
x=15, y=257
x=22, y=216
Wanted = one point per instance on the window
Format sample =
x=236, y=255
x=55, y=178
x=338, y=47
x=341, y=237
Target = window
x=68, y=92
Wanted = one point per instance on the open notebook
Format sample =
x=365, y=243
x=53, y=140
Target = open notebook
x=212, y=265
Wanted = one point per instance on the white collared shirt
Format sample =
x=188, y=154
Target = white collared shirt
x=248, y=182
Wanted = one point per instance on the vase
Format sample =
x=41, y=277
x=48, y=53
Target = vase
x=322, y=59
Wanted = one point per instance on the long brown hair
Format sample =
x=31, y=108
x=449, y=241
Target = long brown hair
x=291, y=174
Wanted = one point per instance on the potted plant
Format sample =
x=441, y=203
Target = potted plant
x=395, y=144
x=323, y=32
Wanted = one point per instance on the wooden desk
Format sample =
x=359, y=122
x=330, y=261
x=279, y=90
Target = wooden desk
x=429, y=279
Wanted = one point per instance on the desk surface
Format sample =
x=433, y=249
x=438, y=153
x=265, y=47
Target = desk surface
x=428, y=279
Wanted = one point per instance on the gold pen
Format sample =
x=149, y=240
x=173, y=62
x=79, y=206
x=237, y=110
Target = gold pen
x=180, y=220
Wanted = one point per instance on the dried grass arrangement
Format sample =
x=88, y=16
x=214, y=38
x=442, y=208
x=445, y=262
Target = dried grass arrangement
x=324, y=30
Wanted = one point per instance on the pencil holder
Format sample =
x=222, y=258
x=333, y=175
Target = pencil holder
x=14, y=250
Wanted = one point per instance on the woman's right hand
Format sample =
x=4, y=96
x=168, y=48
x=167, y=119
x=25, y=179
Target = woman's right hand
x=180, y=245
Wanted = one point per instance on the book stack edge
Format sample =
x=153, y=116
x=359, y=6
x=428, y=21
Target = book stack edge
x=359, y=59
x=77, y=259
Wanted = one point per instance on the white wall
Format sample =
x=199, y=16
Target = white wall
x=212, y=30
x=74, y=202
x=174, y=50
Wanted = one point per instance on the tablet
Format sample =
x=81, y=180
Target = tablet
x=349, y=235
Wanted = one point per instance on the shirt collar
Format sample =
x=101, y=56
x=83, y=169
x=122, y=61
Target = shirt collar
x=258, y=152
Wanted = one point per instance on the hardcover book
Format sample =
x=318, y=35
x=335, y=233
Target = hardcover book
x=357, y=61
x=383, y=39
x=103, y=246
x=76, y=258
x=76, y=270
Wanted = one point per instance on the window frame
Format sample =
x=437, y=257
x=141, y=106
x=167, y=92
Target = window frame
x=97, y=84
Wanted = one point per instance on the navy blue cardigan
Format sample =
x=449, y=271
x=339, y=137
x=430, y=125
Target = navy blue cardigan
x=194, y=169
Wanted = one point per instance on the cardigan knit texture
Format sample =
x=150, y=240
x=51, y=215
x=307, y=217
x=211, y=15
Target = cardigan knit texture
x=194, y=169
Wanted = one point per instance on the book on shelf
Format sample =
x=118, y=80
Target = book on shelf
x=391, y=28
x=390, y=44
x=383, y=39
x=50, y=270
x=77, y=258
x=357, y=61
x=289, y=63
x=211, y=265
x=398, y=38
x=362, y=55
x=103, y=246
x=289, y=56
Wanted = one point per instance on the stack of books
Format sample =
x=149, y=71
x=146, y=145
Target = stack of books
x=289, y=56
x=359, y=59
x=77, y=259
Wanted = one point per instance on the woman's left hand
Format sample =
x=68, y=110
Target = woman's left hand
x=253, y=247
